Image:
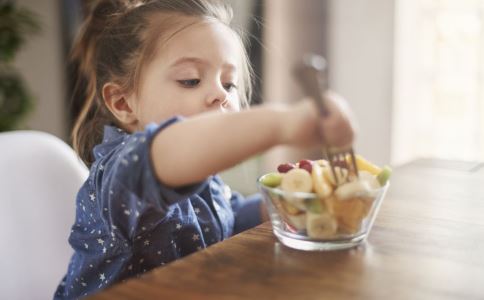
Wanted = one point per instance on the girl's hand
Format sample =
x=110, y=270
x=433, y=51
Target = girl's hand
x=305, y=126
x=338, y=126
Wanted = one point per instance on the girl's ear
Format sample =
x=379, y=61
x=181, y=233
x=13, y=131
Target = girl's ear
x=117, y=102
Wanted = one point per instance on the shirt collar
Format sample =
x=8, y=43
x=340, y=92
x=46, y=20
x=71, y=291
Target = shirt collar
x=112, y=133
x=112, y=137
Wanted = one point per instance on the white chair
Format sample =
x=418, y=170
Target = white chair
x=40, y=176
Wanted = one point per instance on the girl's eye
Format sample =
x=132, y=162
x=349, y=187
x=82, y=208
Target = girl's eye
x=229, y=86
x=189, y=83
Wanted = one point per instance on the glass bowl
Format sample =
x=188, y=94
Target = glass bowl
x=306, y=222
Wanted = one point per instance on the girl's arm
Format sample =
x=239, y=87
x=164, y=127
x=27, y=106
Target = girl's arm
x=190, y=151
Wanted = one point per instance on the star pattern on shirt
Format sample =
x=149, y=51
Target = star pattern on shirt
x=97, y=207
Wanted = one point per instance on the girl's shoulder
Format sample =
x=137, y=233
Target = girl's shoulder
x=117, y=139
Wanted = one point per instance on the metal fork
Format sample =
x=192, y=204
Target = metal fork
x=311, y=74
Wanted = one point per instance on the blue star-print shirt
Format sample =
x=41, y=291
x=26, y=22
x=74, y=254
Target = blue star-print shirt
x=127, y=222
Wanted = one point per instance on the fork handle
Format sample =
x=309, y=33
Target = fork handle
x=311, y=75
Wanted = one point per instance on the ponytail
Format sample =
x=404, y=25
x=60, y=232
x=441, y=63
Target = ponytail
x=88, y=127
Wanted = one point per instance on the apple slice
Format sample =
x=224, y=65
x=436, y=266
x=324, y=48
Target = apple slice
x=384, y=175
x=272, y=179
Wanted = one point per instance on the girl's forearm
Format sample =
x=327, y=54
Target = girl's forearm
x=190, y=151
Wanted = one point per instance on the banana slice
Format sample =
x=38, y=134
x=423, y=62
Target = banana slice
x=320, y=226
x=370, y=179
x=320, y=184
x=342, y=174
x=297, y=180
x=357, y=188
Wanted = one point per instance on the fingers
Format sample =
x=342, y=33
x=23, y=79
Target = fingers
x=337, y=127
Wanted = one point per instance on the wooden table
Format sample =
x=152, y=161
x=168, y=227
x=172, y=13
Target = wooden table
x=427, y=243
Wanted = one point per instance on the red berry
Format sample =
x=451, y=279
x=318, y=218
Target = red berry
x=306, y=164
x=284, y=168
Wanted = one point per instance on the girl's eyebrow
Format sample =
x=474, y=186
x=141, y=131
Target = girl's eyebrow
x=199, y=61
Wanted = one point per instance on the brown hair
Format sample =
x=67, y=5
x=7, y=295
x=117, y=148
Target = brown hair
x=115, y=42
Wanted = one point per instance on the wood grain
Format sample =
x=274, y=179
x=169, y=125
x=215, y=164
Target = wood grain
x=427, y=243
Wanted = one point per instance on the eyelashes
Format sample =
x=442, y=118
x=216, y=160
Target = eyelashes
x=230, y=86
x=189, y=83
x=194, y=82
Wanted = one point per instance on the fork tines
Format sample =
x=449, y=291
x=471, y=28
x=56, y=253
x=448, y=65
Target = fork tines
x=340, y=162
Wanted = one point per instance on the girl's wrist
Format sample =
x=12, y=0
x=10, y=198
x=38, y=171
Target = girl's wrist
x=299, y=124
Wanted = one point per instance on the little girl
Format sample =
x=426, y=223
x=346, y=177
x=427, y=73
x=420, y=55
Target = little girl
x=165, y=81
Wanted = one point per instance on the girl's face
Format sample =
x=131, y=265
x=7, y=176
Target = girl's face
x=193, y=72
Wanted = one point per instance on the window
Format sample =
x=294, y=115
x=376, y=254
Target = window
x=439, y=80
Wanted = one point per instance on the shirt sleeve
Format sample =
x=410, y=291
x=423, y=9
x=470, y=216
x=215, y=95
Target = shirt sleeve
x=132, y=193
x=246, y=210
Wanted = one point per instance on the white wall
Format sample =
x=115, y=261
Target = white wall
x=357, y=39
x=291, y=29
x=361, y=57
x=40, y=62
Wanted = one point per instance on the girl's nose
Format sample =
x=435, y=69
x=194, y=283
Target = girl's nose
x=218, y=97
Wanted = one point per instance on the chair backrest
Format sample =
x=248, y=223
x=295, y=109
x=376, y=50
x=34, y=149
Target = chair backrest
x=40, y=176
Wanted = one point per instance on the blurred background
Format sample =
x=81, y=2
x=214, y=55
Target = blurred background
x=412, y=70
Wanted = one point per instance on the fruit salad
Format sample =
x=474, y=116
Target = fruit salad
x=309, y=201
